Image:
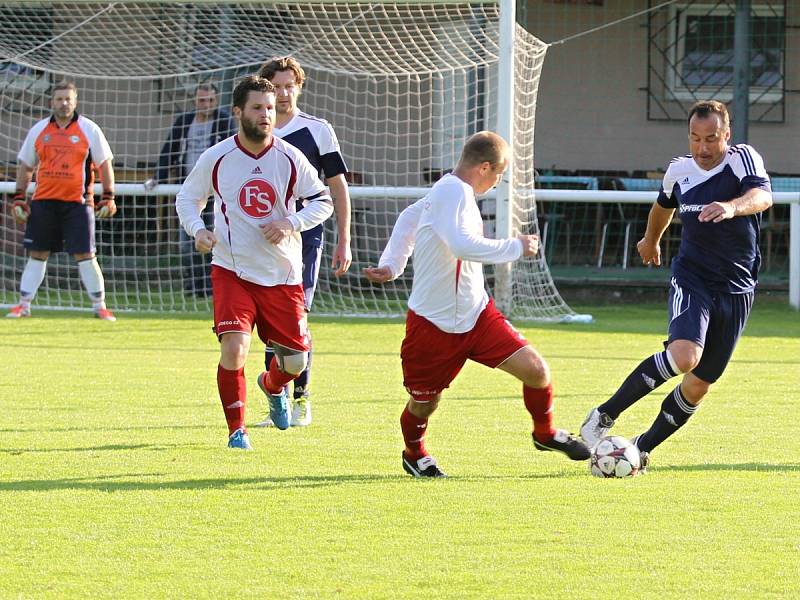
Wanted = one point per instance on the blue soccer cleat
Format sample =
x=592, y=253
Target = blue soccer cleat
x=279, y=412
x=239, y=439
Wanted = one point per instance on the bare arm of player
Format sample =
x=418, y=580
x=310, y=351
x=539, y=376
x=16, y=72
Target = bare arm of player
x=24, y=177
x=530, y=244
x=107, y=207
x=657, y=222
x=107, y=176
x=342, y=255
x=378, y=274
x=753, y=201
x=204, y=241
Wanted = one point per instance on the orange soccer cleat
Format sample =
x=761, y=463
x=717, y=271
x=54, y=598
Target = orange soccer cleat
x=104, y=314
x=19, y=311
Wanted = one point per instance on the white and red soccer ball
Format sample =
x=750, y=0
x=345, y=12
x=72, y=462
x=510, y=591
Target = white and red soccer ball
x=614, y=456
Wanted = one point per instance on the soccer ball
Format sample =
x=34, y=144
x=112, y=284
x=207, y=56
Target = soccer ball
x=614, y=456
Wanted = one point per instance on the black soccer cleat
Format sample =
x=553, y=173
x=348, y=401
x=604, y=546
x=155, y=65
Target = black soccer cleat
x=423, y=467
x=566, y=443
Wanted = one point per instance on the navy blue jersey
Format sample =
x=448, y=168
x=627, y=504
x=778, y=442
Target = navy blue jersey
x=315, y=138
x=721, y=256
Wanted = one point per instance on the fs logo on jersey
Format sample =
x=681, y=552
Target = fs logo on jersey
x=257, y=198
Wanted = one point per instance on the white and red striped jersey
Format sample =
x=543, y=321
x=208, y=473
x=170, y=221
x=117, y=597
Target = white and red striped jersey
x=445, y=230
x=249, y=191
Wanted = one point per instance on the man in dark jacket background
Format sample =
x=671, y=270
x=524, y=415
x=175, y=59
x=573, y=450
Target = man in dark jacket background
x=192, y=133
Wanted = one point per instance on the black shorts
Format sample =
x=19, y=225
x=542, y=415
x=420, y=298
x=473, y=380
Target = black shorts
x=55, y=226
x=712, y=320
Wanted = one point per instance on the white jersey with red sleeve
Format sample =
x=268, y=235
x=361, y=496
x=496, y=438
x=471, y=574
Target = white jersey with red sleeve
x=449, y=252
x=249, y=191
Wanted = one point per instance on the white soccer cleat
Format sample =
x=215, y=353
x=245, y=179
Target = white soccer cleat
x=301, y=413
x=595, y=427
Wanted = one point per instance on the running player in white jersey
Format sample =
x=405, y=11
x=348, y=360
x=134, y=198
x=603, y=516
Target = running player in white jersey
x=720, y=192
x=256, y=273
x=316, y=139
x=451, y=317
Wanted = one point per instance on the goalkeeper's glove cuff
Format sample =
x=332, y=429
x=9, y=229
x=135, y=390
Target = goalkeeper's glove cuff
x=106, y=207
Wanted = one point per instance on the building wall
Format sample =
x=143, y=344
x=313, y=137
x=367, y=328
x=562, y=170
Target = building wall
x=592, y=108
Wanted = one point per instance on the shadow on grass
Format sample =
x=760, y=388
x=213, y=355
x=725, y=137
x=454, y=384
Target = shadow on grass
x=654, y=471
x=106, y=448
x=106, y=483
x=94, y=429
x=123, y=483
x=114, y=345
x=766, y=467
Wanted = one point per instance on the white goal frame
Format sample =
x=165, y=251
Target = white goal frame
x=511, y=208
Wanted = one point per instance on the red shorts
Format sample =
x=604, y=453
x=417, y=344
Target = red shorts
x=278, y=312
x=432, y=358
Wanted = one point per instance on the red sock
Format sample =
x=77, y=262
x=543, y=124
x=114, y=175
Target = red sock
x=233, y=395
x=539, y=402
x=276, y=379
x=414, y=429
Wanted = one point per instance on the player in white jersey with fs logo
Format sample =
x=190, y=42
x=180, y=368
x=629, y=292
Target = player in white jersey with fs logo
x=256, y=274
x=451, y=317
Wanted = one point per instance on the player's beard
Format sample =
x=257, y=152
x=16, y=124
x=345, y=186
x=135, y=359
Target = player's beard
x=252, y=132
x=64, y=113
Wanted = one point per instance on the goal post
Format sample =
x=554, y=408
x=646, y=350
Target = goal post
x=403, y=84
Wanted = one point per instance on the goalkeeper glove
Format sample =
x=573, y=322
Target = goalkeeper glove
x=106, y=207
x=20, y=208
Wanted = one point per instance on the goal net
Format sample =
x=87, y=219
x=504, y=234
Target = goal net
x=402, y=84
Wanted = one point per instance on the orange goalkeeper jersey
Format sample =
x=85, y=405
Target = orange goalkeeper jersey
x=64, y=157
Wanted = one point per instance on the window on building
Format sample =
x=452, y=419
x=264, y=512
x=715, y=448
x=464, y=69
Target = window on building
x=702, y=52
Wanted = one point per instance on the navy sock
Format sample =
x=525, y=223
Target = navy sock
x=269, y=354
x=651, y=373
x=674, y=413
x=303, y=380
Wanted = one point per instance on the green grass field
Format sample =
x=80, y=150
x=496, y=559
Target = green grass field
x=115, y=480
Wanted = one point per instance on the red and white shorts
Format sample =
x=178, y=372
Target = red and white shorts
x=278, y=312
x=432, y=358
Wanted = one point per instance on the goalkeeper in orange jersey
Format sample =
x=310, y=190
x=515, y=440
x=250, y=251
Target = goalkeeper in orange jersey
x=62, y=151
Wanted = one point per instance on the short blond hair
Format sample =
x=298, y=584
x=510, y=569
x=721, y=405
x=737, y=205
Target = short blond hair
x=484, y=146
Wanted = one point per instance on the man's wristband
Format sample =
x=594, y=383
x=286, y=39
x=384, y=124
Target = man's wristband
x=108, y=196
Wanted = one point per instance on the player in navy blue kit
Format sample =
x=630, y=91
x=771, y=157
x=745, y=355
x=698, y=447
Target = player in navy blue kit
x=719, y=192
x=316, y=139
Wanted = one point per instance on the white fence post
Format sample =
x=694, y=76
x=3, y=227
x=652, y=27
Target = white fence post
x=794, y=255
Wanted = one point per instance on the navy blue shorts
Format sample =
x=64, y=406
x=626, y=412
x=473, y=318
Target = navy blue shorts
x=55, y=226
x=712, y=320
x=312, y=256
